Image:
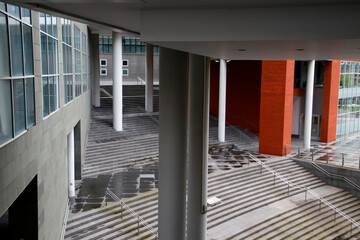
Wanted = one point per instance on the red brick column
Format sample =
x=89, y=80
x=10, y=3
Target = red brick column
x=276, y=104
x=330, y=101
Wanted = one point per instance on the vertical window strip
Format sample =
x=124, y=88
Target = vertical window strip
x=348, y=122
x=50, y=63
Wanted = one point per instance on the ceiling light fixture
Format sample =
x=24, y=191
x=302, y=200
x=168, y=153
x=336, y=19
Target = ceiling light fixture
x=241, y=49
x=300, y=49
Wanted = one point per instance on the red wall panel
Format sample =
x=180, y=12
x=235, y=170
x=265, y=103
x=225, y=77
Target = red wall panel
x=277, y=90
x=330, y=101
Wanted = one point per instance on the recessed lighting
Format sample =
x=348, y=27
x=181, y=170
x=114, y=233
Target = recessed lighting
x=227, y=60
x=241, y=49
x=300, y=49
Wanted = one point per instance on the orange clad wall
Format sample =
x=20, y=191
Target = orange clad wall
x=330, y=101
x=276, y=103
x=242, y=93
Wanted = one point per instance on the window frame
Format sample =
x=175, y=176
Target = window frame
x=24, y=77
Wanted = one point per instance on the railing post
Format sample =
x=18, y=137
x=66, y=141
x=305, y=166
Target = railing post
x=305, y=194
x=274, y=178
x=121, y=211
x=334, y=216
x=260, y=168
x=350, y=227
x=319, y=204
x=312, y=155
x=248, y=162
x=299, y=153
x=285, y=150
x=138, y=226
x=343, y=159
x=327, y=158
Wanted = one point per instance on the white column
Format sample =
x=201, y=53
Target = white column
x=149, y=77
x=309, y=103
x=96, y=70
x=172, y=143
x=198, y=146
x=71, y=163
x=117, y=81
x=222, y=101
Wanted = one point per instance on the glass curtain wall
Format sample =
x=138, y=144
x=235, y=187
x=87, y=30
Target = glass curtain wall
x=348, y=120
x=84, y=61
x=77, y=51
x=130, y=45
x=49, y=63
x=67, y=59
x=17, y=103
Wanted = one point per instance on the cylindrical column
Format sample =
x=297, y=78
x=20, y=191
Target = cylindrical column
x=96, y=70
x=222, y=100
x=117, y=81
x=309, y=103
x=71, y=163
x=172, y=143
x=149, y=77
x=198, y=146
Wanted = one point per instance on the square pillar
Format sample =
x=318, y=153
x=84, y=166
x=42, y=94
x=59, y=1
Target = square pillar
x=173, y=74
x=276, y=105
x=330, y=101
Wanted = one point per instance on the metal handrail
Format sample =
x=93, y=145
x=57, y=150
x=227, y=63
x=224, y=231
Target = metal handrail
x=132, y=213
x=106, y=92
x=335, y=175
x=306, y=189
x=329, y=155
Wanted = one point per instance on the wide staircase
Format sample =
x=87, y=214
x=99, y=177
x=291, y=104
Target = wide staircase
x=252, y=207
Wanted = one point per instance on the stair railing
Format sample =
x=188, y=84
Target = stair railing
x=329, y=157
x=306, y=190
x=139, y=219
x=332, y=175
x=106, y=93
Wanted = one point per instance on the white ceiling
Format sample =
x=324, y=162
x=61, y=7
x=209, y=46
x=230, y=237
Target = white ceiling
x=265, y=29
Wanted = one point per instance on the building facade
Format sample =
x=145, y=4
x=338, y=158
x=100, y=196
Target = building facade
x=45, y=95
x=133, y=61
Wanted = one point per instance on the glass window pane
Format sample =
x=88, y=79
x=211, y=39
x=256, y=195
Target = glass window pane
x=4, y=48
x=48, y=24
x=56, y=92
x=45, y=96
x=51, y=55
x=43, y=22
x=30, y=102
x=16, y=48
x=55, y=56
x=52, y=94
x=44, y=61
x=28, y=50
x=5, y=111
x=2, y=6
x=26, y=15
x=77, y=62
x=54, y=26
x=13, y=10
x=19, y=105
